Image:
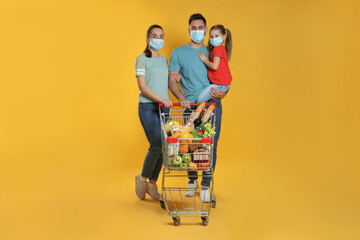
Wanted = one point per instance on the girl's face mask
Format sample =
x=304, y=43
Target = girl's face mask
x=216, y=41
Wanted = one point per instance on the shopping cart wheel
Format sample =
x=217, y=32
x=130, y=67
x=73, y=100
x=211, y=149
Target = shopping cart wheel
x=213, y=203
x=162, y=204
x=205, y=220
x=176, y=221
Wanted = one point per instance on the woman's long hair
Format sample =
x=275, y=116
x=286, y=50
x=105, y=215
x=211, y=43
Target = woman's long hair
x=147, y=50
x=228, y=40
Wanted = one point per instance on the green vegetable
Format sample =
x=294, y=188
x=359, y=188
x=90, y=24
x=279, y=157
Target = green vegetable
x=201, y=126
x=196, y=134
x=209, y=130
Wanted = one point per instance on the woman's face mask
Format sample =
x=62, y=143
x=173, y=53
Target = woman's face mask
x=197, y=36
x=156, y=44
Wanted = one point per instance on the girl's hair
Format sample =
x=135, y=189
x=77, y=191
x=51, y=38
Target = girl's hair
x=228, y=40
x=147, y=50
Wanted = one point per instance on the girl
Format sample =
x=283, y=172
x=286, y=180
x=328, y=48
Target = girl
x=152, y=77
x=218, y=68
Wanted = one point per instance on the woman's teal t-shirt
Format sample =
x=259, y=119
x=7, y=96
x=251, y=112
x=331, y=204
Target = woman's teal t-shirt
x=156, y=73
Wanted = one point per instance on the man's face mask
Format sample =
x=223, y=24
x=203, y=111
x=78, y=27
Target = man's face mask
x=197, y=36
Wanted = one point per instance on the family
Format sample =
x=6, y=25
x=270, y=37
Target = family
x=203, y=74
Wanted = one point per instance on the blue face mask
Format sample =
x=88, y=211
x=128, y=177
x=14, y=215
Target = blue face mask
x=197, y=36
x=156, y=44
x=216, y=41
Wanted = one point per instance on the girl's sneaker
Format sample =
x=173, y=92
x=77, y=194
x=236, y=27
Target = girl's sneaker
x=152, y=190
x=140, y=187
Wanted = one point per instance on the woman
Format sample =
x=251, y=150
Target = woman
x=152, y=77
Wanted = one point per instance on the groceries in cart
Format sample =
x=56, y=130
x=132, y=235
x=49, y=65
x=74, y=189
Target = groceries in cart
x=198, y=123
x=189, y=146
x=187, y=140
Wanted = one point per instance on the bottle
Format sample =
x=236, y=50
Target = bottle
x=198, y=121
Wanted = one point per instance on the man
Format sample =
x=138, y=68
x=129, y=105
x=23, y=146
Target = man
x=185, y=60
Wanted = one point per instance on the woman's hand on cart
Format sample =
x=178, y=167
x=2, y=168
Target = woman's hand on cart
x=167, y=103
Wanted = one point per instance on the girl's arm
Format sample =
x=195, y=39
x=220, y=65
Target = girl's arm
x=151, y=94
x=214, y=65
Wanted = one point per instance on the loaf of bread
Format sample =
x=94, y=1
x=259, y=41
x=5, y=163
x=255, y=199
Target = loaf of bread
x=196, y=114
x=208, y=113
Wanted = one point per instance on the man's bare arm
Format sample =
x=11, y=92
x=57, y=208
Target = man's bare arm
x=175, y=89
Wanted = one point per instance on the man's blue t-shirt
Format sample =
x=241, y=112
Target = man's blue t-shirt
x=194, y=73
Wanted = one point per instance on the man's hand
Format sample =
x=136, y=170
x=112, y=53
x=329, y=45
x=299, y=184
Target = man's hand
x=217, y=94
x=176, y=76
x=184, y=103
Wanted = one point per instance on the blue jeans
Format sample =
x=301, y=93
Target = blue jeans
x=150, y=120
x=206, y=180
x=205, y=95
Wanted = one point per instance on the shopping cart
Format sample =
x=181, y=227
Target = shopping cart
x=180, y=156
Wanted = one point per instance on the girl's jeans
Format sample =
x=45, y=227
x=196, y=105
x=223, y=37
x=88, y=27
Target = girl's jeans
x=205, y=95
x=150, y=120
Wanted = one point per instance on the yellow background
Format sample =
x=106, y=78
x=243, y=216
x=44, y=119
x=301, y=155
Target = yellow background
x=71, y=142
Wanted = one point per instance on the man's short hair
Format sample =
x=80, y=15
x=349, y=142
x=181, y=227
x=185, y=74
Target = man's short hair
x=197, y=16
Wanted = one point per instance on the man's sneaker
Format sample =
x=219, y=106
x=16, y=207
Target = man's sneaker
x=205, y=194
x=140, y=187
x=152, y=190
x=190, y=190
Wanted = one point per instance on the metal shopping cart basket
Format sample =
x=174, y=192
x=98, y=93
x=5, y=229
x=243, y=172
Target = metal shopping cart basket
x=181, y=155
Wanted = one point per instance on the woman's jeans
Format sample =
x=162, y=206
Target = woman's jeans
x=150, y=120
x=205, y=95
x=206, y=180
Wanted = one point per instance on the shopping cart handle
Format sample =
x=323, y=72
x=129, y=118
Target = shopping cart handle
x=191, y=104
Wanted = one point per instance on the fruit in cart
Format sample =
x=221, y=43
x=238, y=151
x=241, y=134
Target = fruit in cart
x=186, y=158
x=184, y=166
x=169, y=123
x=175, y=123
x=175, y=135
x=184, y=148
x=167, y=128
x=186, y=135
x=203, y=164
x=177, y=160
x=192, y=166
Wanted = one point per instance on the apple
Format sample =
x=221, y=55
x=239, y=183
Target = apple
x=203, y=164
